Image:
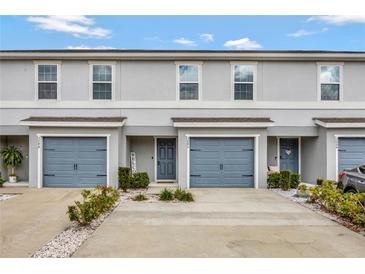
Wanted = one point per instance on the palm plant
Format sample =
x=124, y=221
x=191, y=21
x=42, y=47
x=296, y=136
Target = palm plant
x=12, y=157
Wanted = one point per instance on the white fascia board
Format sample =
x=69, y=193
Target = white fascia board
x=179, y=105
x=71, y=124
x=339, y=125
x=222, y=125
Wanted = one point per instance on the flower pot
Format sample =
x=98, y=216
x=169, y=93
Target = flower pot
x=12, y=179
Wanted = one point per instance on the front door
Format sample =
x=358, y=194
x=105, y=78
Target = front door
x=289, y=154
x=166, y=159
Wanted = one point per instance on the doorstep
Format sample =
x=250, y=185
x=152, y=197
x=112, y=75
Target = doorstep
x=155, y=188
x=19, y=184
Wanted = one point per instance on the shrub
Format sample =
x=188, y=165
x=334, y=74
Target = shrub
x=139, y=180
x=124, y=174
x=12, y=157
x=140, y=198
x=334, y=200
x=320, y=181
x=285, y=180
x=94, y=203
x=166, y=195
x=2, y=181
x=273, y=180
x=294, y=180
x=183, y=195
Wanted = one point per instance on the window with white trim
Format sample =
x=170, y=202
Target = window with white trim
x=47, y=81
x=188, y=81
x=243, y=82
x=330, y=82
x=102, y=82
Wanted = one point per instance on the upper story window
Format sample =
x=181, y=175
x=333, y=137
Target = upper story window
x=47, y=81
x=102, y=81
x=188, y=81
x=330, y=82
x=244, y=81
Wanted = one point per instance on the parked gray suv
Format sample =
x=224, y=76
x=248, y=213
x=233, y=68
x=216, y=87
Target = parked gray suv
x=352, y=180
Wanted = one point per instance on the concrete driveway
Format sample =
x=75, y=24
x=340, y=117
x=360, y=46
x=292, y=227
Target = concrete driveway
x=32, y=218
x=221, y=223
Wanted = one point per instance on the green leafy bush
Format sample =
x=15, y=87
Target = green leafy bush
x=183, y=195
x=140, y=198
x=346, y=205
x=94, y=203
x=320, y=181
x=124, y=176
x=294, y=180
x=139, y=180
x=273, y=180
x=12, y=158
x=2, y=181
x=285, y=179
x=166, y=195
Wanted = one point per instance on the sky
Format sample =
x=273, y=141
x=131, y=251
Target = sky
x=333, y=32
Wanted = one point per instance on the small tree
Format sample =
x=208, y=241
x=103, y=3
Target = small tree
x=12, y=157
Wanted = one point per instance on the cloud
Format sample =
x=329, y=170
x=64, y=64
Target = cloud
x=87, y=47
x=185, y=42
x=302, y=32
x=339, y=19
x=77, y=25
x=243, y=43
x=207, y=37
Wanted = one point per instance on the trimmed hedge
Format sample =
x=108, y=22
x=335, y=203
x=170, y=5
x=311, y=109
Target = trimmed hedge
x=124, y=174
x=284, y=180
x=139, y=180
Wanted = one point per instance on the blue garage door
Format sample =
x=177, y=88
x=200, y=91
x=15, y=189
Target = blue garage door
x=351, y=152
x=222, y=162
x=74, y=162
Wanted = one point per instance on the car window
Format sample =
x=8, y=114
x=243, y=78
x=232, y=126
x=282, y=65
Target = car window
x=362, y=169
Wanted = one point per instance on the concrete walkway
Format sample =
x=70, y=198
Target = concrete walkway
x=31, y=219
x=221, y=223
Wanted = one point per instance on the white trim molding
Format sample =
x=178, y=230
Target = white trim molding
x=36, y=82
x=40, y=137
x=319, y=90
x=256, y=152
x=254, y=83
x=91, y=80
x=200, y=80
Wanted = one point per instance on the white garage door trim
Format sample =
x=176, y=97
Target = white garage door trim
x=344, y=136
x=256, y=152
x=40, y=152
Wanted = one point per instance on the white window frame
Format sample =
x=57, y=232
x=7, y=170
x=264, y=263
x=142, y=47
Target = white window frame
x=254, y=88
x=319, y=91
x=36, y=82
x=199, y=65
x=91, y=80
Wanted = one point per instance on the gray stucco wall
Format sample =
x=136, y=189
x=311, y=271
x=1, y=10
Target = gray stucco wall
x=145, y=151
x=34, y=141
x=183, y=147
x=272, y=151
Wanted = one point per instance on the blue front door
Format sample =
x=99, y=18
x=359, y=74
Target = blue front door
x=289, y=154
x=166, y=159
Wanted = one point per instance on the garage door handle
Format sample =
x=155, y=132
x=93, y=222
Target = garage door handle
x=342, y=150
x=243, y=175
x=100, y=175
x=194, y=149
x=247, y=149
x=100, y=149
x=195, y=175
x=49, y=175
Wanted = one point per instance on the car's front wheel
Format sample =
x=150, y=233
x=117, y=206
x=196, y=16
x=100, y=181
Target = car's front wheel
x=351, y=190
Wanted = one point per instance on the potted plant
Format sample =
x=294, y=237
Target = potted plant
x=12, y=158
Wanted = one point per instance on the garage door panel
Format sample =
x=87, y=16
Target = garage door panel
x=221, y=162
x=74, y=162
x=351, y=152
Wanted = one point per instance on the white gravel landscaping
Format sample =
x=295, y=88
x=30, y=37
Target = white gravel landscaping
x=6, y=196
x=65, y=244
